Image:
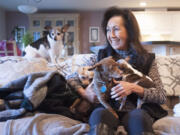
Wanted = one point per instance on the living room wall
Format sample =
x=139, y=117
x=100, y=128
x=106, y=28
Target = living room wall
x=87, y=19
x=15, y=19
x=2, y=25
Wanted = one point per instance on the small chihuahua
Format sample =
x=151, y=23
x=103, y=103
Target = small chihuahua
x=133, y=76
x=50, y=46
x=105, y=71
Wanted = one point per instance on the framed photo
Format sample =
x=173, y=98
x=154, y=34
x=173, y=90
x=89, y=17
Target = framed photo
x=93, y=34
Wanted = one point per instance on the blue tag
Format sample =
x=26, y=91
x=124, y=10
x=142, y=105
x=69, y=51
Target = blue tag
x=103, y=89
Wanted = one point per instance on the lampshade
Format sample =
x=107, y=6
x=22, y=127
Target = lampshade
x=27, y=9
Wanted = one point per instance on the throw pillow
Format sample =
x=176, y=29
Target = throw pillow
x=169, y=67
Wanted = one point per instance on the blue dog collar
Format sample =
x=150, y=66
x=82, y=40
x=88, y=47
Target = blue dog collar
x=103, y=89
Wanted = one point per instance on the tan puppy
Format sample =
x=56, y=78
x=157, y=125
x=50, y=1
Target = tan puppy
x=85, y=75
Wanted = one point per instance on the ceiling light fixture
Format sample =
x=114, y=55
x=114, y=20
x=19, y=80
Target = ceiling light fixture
x=28, y=9
x=142, y=4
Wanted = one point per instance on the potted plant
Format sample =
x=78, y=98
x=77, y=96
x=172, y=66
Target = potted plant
x=27, y=39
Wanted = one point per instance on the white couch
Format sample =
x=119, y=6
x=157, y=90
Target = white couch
x=12, y=68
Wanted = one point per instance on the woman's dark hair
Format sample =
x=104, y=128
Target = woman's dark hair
x=130, y=24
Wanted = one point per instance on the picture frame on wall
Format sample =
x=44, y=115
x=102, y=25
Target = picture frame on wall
x=94, y=34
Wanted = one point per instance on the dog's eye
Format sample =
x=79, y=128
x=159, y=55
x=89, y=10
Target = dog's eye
x=83, y=77
x=52, y=34
x=58, y=34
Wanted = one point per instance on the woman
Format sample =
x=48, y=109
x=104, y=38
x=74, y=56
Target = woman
x=123, y=40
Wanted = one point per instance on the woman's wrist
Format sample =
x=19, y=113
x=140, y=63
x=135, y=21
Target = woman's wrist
x=138, y=90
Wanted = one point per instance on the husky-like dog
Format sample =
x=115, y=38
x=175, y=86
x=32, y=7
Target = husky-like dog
x=50, y=46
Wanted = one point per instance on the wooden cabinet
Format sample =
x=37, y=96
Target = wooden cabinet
x=175, y=26
x=152, y=22
x=163, y=47
x=39, y=21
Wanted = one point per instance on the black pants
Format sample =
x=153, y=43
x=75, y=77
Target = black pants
x=135, y=122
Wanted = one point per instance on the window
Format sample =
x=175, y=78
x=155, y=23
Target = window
x=47, y=23
x=36, y=23
x=70, y=22
x=59, y=23
x=36, y=35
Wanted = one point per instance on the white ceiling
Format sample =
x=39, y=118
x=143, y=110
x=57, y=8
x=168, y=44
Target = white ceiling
x=47, y=5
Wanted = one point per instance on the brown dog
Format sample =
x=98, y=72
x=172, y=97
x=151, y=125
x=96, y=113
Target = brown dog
x=104, y=73
x=104, y=77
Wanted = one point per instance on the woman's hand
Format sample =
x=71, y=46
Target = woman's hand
x=90, y=95
x=123, y=89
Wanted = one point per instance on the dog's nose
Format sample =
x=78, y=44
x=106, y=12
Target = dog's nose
x=118, y=79
x=55, y=38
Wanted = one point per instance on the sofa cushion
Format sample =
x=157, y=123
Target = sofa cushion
x=14, y=67
x=71, y=64
x=167, y=126
x=169, y=70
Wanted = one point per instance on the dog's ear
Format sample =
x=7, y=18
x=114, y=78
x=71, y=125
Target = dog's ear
x=109, y=57
x=127, y=59
x=65, y=28
x=47, y=28
x=121, y=65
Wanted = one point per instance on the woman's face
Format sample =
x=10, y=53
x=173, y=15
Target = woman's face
x=117, y=33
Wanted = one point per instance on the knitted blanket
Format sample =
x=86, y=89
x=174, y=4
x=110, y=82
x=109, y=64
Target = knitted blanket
x=33, y=92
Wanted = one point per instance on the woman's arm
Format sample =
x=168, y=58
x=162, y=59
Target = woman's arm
x=87, y=93
x=157, y=94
